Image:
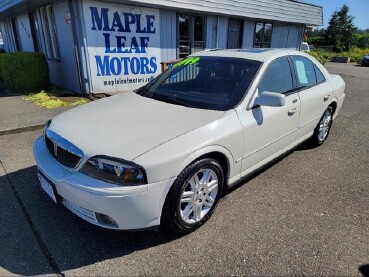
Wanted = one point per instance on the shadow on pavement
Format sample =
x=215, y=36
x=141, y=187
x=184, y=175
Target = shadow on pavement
x=306, y=145
x=4, y=91
x=72, y=242
x=364, y=269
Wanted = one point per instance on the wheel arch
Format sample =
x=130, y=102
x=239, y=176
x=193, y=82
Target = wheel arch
x=217, y=152
x=333, y=104
x=219, y=157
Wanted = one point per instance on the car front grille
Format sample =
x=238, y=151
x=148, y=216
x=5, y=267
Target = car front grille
x=63, y=155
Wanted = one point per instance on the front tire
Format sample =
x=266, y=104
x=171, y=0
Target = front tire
x=193, y=197
x=323, y=128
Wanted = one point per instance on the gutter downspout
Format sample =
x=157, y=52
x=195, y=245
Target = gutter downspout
x=76, y=48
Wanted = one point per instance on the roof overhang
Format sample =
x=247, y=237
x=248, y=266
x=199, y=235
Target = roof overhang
x=10, y=8
x=291, y=11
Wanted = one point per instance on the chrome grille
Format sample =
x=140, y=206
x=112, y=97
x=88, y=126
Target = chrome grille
x=62, y=151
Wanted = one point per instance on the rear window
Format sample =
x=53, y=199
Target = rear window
x=305, y=71
x=319, y=75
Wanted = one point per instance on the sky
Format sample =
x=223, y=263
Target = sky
x=358, y=8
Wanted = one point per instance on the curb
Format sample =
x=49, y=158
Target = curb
x=21, y=129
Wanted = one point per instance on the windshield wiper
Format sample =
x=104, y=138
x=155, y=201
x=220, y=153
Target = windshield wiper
x=171, y=100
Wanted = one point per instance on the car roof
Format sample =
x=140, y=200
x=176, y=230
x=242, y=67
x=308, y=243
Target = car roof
x=257, y=54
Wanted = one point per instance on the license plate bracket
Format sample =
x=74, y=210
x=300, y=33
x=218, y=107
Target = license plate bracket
x=48, y=187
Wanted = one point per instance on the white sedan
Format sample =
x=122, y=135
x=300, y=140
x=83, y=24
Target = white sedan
x=163, y=155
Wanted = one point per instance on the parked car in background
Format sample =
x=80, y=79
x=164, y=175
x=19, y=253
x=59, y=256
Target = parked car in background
x=364, y=61
x=312, y=47
x=163, y=155
x=305, y=47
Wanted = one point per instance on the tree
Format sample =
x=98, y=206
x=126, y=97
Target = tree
x=362, y=40
x=341, y=29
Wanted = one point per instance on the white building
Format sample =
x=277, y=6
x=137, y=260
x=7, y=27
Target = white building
x=111, y=46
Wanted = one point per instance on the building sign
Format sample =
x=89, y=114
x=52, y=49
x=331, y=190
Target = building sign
x=123, y=45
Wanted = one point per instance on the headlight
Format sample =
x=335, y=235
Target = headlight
x=47, y=124
x=115, y=171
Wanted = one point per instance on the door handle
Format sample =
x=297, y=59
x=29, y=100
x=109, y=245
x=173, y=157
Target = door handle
x=293, y=111
x=326, y=97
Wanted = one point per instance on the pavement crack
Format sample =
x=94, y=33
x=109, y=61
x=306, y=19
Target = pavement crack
x=32, y=225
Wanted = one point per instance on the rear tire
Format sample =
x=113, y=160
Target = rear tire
x=323, y=128
x=193, y=197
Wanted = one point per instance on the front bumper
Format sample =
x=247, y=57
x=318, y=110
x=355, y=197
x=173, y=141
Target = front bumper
x=129, y=207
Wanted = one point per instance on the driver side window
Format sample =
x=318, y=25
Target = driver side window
x=277, y=77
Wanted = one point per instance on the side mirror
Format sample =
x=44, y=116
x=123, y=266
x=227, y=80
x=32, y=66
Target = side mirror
x=270, y=99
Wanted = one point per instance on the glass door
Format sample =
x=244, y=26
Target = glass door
x=184, y=35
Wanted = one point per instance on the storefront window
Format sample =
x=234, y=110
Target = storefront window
x=9, y=34
x=199, y=43
x=184, y=43
x=263, y=35
x=49, y=32
x=191, y=31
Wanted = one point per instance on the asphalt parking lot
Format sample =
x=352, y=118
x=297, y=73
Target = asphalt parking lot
x=307, y=214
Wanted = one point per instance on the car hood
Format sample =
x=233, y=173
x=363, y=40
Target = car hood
x=127, y=125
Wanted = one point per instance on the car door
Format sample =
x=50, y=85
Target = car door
x=269, y=130
x=314, y=92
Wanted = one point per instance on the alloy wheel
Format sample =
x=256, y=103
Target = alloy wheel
x=325, y=125
x=198, y=196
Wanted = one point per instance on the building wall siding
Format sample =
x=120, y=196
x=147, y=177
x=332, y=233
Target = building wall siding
x=64, y=72
x=222, y=32
x=211, y=32
x=25, y=33
x=278, y=10
x=10, y=40
x=287, y=36
x=248, y=34
x=168, y=32
x=6, y=4
x=295, y=36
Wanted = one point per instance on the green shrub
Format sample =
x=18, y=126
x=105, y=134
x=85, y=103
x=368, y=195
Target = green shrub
x=362, y=40
x=319, y=56
x=355, y=54
x=25, y=72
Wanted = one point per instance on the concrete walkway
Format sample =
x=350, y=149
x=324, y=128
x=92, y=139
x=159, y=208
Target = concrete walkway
x=18, y=115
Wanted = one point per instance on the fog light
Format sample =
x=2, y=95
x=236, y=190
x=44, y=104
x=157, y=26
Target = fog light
x=106, y=220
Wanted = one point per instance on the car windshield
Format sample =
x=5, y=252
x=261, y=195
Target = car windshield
x=215, y=83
